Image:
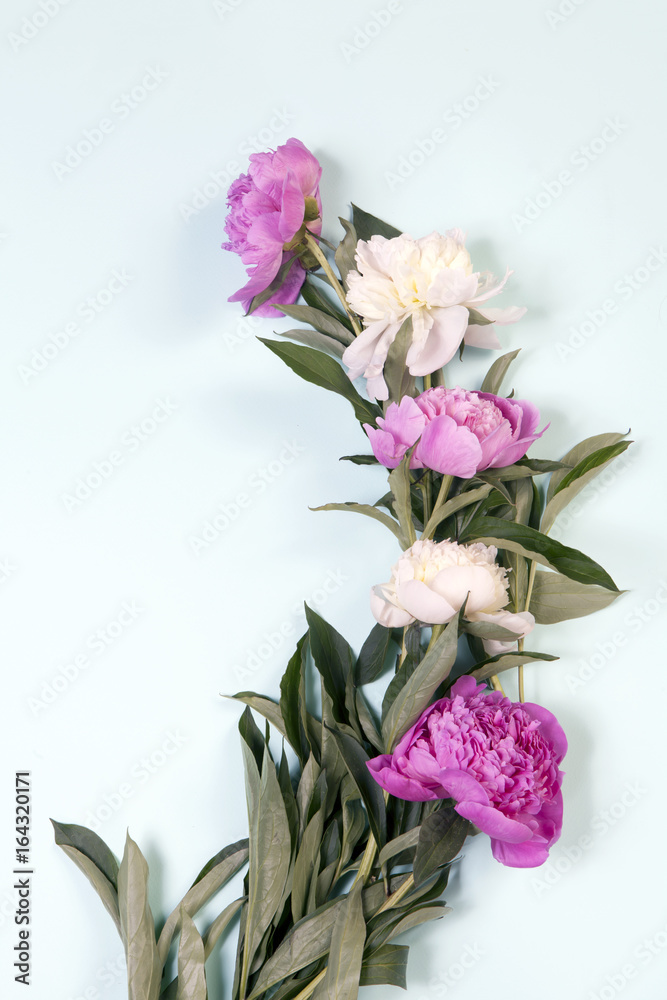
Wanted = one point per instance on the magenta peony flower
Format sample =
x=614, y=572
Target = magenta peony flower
x=459, y=432
x=269, y=207
x=497, y=759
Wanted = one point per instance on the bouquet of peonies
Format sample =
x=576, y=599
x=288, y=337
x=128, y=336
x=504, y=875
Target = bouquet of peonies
x=353, y=830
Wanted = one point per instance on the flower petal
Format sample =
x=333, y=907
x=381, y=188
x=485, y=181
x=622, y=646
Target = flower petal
x=386, y=612
x=442, y=341
x=448, y=448
x=423, y=603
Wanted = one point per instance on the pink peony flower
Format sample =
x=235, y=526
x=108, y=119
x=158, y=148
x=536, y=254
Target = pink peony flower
x=497, y=759
x=459, y=432
x=268, y=209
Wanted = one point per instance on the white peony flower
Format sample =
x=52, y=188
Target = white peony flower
x=431, y=580
x=431, y=280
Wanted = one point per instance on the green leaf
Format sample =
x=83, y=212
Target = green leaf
x=212, y=877
x=275, y=285
x=89, y=844
x=360, y=459
x=399, y=483
x=306, y=864
x=220, y=924
x=476, y=318
x=356, y=761
x=420, y=687
x=451, y=507
x=346, y=951
x=496, y=373
x=292, y=694
x=367, y=225
x=577, y=478
x=345, y=251
x=580, y=451
x=539, y=547
x=270, y=854
x=364, y=508
x=313, y=295
x=320, y=321
x=271, y=711
x=315, y=367
x=403, y=842
x=333, y=658
x=420, y=915
x=386, y=966
x=557, y=599
x=99, y=882
x=399, y=380
x=191, y=958
x=368, y=723
x=144, y=969
x=505, y=661
x=489, y=630
x=441, y=837
x=311, y=338
x=252, y=736
x=373, y=655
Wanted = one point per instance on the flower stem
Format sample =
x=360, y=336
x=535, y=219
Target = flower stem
x=314, y=247
x=311, y=987
x=366, y=865
x=397, y=896
x=496, y=685
x=529, y=594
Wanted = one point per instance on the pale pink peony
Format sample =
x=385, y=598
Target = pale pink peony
x=267, y=209
x=459, y=432
x=497, y=759
x=430, y=280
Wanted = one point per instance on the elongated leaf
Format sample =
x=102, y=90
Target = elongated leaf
x=100, y=883
x=557, y=599
x=306, y=864
x=345, y=251
x=346, y=951
x=320, y=321
x=313, y=295
x=505, y=661
x=373, y=655
x=496, y=373
x=318, y=341
x=368, y=723
x=270, y=854
x=191, y=958
x=489, y=630
x=356, y=761
x=271, y=711
x=333, y=657
x=577, y=478
x=577, y=454
x=220, y=924
x=399, y=483
x=144, y=969
x=88, y=843
x=212, y=877
x=291, y=701
x=368, y=511
x=252, y=735
x=315, y=367
x=441, y=837
x=420, y=687
x=359, y=459
x=367, y=225
x=451, y=506
x=414, y=918
x=401, y=843
x=386, y=966
x=537, y=546
x=396, y=374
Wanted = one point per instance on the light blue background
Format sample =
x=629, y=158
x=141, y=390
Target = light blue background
x=363, y=96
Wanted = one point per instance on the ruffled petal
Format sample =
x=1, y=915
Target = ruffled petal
x=386, y=612
x=448, y=448
x=423, y=603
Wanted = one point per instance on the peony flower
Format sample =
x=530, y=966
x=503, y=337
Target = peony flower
x=431, y=581
x=497, y=759
x=431, y=280
x=459, y=432
x=270, y=209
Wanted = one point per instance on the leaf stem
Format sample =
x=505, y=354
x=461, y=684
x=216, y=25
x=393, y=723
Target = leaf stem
x=397, y=896
x=335, y=284
x=312, y=986
x=529, y=594
x=366, y=865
